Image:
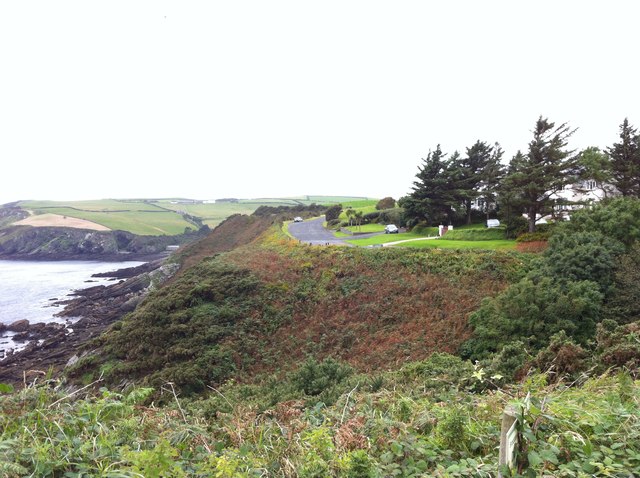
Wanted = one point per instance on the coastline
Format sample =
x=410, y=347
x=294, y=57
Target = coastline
x=51, y=347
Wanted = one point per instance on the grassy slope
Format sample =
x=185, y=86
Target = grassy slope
x=264, y=307
x=459, y=244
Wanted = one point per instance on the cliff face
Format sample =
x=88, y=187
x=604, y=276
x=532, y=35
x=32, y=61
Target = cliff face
x=61, y=243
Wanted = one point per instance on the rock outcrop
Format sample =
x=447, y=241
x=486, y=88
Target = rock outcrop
x=63, y=243
x=52, y=346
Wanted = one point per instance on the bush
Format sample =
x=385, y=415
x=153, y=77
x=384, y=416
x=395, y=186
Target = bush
x=533, y=237
x=333, y=212
x=623, y=305
x=315, y=377
x=487, y=234
x=392, y=216
x=582, y=256
x=618, y=345
x=562, y=357
x=532, y=311
x=617, y=219
x=515, y=226
x=386, y=203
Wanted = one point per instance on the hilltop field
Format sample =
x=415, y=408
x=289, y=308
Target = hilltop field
x=157, y=216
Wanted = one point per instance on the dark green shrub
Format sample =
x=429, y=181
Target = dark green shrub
x=532, y=311
x=582, y=256
x=508, y=362
x=315, y=377
x=333, y=212
x=623, y=305
x=386, y=203
x=617, y=219
x=533, y=236
x=618, y=345
x=562, y=357
x=439, y=369
x=515, y=225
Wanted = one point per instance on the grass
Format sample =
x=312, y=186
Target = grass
x=366, y=228
x=96, y=205
x=133, y=215
x=142, y=222
x=384, y=238
x=458, y=244
x=475, y=234
x=214, y=214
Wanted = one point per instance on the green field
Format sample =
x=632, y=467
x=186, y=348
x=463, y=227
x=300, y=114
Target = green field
x=97, y=205
x=165, y=216
x=456, y=244
x=214, y=214
x=384, y=238
x=366, y=228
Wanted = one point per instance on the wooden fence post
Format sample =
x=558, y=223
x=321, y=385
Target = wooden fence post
x=509, y=434
x=508, y=438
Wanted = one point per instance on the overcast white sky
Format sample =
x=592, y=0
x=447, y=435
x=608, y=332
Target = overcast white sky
x=283, y=98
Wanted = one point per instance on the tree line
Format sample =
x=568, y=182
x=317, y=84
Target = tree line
x=448, y=188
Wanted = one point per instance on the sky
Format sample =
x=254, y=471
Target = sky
x=249, y=99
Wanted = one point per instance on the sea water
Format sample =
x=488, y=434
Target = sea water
x=29, y=289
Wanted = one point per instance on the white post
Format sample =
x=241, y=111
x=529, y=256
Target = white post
x=440, y=228
x=508, y=438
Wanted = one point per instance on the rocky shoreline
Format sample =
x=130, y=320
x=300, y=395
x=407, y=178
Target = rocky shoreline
x=53, y=346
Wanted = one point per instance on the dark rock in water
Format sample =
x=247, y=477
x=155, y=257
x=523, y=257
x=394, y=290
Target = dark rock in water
x=2, y=327
x=21, y=337
x=52, y=345
x=19, y=326
x=53, y=298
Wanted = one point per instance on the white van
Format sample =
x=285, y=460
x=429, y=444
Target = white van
x=493, y=223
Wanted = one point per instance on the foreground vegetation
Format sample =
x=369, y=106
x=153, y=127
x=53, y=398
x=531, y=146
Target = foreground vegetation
x=266, y=357
x=426, y=419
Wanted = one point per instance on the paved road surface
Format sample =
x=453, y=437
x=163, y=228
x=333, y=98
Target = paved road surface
x=312, y=232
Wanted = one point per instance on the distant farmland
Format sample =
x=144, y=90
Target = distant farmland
x=166, y=216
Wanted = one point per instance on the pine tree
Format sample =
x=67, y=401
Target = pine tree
x=625, y=161
x=492, y=174
x=468, y=174
x=432, y=195
x=546, y=168
x=595, y=166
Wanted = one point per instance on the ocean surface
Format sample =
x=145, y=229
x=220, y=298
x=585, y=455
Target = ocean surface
x=28, y=289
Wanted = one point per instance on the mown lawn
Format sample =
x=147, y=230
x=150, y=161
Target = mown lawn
x=456, y=244
x=384, y=238
x=366, y=228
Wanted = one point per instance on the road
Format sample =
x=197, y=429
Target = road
x=313, y=232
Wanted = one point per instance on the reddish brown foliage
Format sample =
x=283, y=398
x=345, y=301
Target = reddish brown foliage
x=533, y=246
x=373, y=318
x=349, y=436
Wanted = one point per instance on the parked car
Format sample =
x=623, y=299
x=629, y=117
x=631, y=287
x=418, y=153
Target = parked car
x=297, y=219
x=493, y=223
x=391, y=229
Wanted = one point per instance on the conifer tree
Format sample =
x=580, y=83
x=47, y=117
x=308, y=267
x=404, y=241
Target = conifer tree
x=468, y=174
x=546, y=168
x=492, y=174
x=625, y=161
x=432, y=193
